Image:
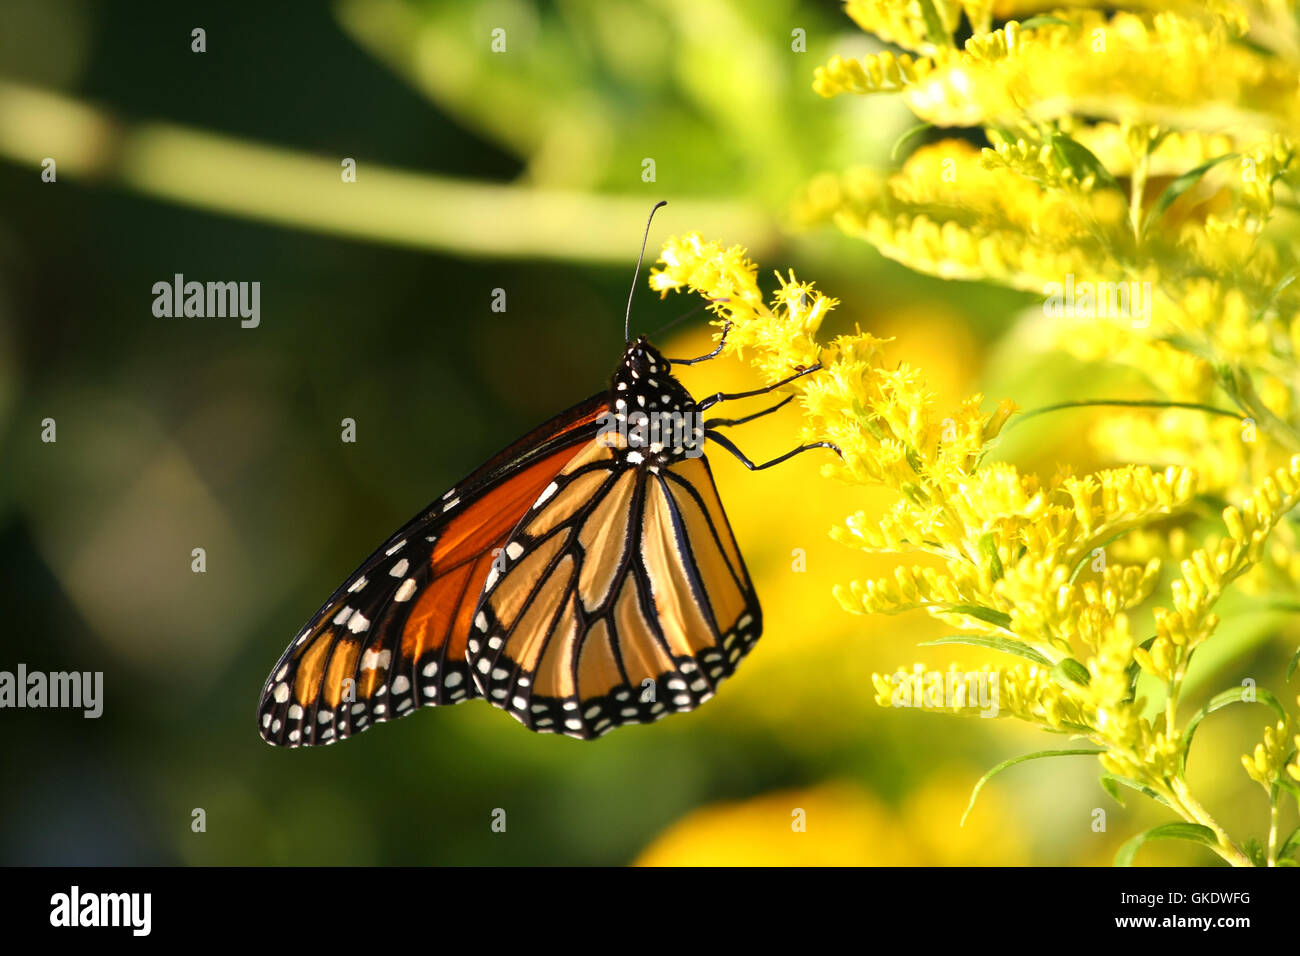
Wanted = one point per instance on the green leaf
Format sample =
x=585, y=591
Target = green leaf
x=1006, y=645
x=1132, y=785
x=1278, y=289
x=1135, y=670
x=1080, y=159
x=1004, y=134
x=1166, y=831
x=1289, y=787
x=1011, y=763
x=986, y=614
x=907, y=137
x=989, y=549
x=1069, y=671
x=1275, y=790
x=1255, y=852
x=1233, y=695
x=1290, y=668
x=1044, y=21
x=934, y=29
x=1179, y=186
x=1111, y=787
x=1290, y=844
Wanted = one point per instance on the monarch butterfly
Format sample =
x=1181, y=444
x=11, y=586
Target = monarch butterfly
x=583, y=578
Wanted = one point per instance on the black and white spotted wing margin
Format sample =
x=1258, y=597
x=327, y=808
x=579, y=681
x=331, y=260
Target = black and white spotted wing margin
x=392, y=638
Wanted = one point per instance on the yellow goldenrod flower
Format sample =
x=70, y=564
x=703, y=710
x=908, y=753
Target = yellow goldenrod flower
x=1013, y=548
x=1137, y=178
x=1266, y=764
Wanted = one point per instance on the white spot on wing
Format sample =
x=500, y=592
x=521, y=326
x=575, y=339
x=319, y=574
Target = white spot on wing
x=545, y=495
x=375, y=660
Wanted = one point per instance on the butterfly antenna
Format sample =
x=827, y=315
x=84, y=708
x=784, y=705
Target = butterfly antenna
x=627, y=318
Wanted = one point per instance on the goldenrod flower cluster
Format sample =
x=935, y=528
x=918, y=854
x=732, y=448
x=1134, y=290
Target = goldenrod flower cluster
x=1140, y=149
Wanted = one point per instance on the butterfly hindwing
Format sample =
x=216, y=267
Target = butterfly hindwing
x=624, y=598
x=393, y=637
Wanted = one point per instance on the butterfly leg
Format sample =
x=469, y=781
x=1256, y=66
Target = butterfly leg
x=740, y=455
x=730, y=396
x=714, y=354
x=722, y=422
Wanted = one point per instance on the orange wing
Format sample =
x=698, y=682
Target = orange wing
x=393, y=637
x=624, y=598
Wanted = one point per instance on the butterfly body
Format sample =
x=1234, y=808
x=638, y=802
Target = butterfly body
x=584, y=578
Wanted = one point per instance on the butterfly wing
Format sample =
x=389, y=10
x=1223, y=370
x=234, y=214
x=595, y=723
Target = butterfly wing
x=392, y=638
x=624, y=598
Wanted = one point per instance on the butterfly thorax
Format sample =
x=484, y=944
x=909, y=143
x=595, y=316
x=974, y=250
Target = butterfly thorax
x=655, y=421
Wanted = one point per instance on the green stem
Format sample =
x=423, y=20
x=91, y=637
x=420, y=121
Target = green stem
x=269, y=183
x=1120, y=403
x=1272, y=833
x=1139, y=183
x=1196, y=813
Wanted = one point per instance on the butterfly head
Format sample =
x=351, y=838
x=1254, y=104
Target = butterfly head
x=654, y=412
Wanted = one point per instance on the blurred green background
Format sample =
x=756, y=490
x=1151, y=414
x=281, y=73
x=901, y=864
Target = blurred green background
x=520, y=170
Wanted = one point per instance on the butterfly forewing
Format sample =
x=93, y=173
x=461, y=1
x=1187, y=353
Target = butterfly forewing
x=624, y=598
x=393, y=637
